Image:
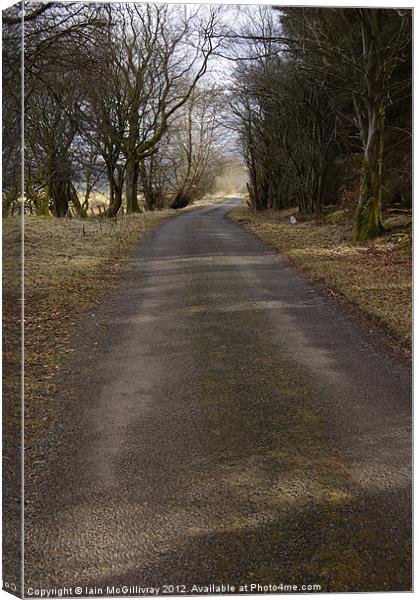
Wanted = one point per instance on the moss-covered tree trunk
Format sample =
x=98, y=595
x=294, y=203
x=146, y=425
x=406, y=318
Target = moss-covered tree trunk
x=370, y=112
x=368, y=223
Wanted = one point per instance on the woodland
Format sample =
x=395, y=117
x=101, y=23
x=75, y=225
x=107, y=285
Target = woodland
x=149, y=103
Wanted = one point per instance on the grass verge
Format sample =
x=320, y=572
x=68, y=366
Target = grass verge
x=68, y=266
x=375, y=277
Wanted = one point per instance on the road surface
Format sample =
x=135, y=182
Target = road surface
x=223, y=422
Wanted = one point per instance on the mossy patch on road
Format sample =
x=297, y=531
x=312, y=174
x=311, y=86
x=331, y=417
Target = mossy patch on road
x=280, y=484
x=375, y=276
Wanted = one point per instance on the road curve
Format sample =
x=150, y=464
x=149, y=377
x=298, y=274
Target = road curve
x=222, y=422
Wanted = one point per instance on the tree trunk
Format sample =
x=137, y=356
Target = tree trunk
x=319, y=192
x=59, y=188
x=131, y=186
x=59, y=197
x=74, y=199
x=146, y=178
x=150, y=199
x=116, y=202
x=180, y=201
x=368, y=222
x=116, y=188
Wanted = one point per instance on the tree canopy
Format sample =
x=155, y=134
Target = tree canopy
x=123, y=95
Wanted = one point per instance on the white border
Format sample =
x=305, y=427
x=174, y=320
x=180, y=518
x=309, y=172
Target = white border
x=349, y=3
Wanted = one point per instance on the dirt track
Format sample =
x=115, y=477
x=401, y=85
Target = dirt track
x=222, y=422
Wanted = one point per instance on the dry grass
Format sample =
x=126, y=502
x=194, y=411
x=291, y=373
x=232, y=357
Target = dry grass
x=67, y=261
x=376, y=276
x=68, y=266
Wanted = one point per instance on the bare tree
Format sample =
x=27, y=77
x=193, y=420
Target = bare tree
x=184, y=167
x=156, y=56
x=60, y=50
x=288, y=133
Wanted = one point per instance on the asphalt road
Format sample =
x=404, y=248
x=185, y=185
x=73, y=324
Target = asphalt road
x=223, y=422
